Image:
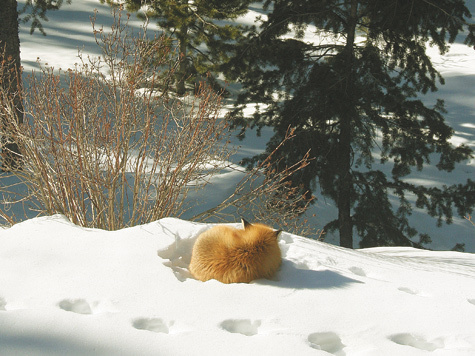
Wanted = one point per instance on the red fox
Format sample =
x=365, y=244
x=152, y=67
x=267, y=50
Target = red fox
x=232, y=255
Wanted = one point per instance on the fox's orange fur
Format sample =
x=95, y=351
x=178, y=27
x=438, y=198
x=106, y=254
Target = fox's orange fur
x=232, y=255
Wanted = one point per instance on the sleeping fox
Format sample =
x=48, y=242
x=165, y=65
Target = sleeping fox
x=232, y=255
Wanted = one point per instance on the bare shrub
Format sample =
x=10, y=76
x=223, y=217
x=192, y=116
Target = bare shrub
x=267, y=195
x=107, y=155
x=469, y=219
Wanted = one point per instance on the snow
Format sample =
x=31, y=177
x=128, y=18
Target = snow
x=67, y=290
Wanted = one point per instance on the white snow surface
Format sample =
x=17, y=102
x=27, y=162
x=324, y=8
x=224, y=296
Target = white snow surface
x=67, y=290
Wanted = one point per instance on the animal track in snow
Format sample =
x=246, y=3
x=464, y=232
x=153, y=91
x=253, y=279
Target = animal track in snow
x=3, y=303
x=155, y=325
x=471, y=301
x=79, y=306
x=327, y=341
x=417, y=342
x=82, y=306
x=241, y=326
x=358, y=271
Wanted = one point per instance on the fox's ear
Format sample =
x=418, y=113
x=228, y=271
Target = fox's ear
x=245, y=224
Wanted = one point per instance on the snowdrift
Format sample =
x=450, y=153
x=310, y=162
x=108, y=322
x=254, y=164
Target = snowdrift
x=67, y=290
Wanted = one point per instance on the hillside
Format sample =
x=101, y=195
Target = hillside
x=69, y=290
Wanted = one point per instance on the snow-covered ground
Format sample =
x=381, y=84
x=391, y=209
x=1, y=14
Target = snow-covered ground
x=66, y=290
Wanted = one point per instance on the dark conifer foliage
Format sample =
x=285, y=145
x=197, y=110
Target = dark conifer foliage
x=350, y=91
x=202, y=29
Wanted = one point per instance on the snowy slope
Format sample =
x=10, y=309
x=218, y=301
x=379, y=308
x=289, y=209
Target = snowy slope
x=66, y=290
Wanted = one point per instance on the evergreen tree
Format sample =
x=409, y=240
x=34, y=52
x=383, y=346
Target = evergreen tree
x=357, y=81
x=203, y=36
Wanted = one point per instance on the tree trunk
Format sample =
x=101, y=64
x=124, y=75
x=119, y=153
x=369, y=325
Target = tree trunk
x=345, y=182
x=183, y=65
x=345, y=224
x=11, y=79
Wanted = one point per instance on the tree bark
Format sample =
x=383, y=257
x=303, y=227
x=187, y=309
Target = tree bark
x=345, y=182
x=11, y=78
x=183, y=65
x=345, y=224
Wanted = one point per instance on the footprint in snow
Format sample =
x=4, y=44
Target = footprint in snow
x=155, y=325
x=358, y=271
x=82, y=306
x=417, y=342
x=471, y=301
x=241, y=326
x=327, y=341
x=79, y=306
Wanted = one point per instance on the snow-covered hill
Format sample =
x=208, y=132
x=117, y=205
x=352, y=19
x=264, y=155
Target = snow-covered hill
x=66, y=290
